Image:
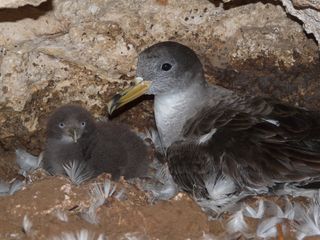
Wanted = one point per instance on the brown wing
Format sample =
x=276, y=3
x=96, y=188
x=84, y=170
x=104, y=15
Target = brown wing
x=258, y=142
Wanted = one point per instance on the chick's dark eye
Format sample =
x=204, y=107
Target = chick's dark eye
x=166, y=66
x=83, y=124
x=61, y=125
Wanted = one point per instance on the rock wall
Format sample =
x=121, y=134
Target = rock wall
x=308, y=12
x=19, y=3
x=84, y=51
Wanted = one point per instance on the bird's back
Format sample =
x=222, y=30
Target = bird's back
x=258, y=142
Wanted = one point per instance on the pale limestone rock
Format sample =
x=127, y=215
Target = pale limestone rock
x=19, y=3
x=306, y=4
x=308, y=12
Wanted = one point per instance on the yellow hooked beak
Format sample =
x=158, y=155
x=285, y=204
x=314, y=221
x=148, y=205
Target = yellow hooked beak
x=139, y=88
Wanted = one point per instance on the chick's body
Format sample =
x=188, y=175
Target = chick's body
x=57, y=155
x=74, y=136
x=115, y=149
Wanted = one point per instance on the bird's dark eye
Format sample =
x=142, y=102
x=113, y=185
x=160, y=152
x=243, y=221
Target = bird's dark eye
x=61, y=125
x=166, y=66
x=83, y=124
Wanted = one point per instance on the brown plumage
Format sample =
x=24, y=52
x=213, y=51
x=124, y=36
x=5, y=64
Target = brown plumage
x=74, y=136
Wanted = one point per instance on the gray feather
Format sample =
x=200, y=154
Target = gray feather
x=26, y=161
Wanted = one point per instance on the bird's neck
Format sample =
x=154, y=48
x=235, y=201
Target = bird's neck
x=173, y=109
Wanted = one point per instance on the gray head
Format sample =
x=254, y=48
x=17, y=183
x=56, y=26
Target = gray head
x=166, y=67
x=169, y=66
x=69, y=123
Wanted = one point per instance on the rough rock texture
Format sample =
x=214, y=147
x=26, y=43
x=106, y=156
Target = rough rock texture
x=307, y=11
x=306, y=4
x=19, y=3
x=84, y=51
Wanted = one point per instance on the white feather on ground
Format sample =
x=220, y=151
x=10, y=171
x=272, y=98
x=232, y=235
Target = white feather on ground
x=99, y=194
x=27, y=162
x=208, y=236
x=10, y=188
x=268, y=227
x=90, y=214
x=134, y=236
x=307, y=219
x=61, y=215
x=222, y=196
x=254, y=213
x=15, y=186
x=236, y=223
x=78, y=172
x=83, y=234
x=160, y=184
x=168, y=188
x=26, y=225
x=120, y=195
x=224, y=236
x=108, y=188
x=269, y=213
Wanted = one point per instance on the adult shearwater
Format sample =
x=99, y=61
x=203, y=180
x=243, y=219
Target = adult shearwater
x=219, y=145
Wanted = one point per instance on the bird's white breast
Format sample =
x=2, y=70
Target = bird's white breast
x=171, y=113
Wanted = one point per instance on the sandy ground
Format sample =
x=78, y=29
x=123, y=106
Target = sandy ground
x=54, y=206
x=44, y=196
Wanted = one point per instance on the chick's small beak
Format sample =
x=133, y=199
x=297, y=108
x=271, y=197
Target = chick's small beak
x=74, y=134
x=139, y=88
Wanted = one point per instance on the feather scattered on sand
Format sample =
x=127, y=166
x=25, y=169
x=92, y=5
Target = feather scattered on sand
x=15, y=186
x=274, y=215
x=26, y=225
x=27, y=162
x=134, y=236
x=99, y=194
x=268, y=227
x=307, y=219
x=61, y=215
x=83, y=234
x=236, y=223
x=255, y=213
x=223, y=196
x=120, y=195
x=10, y=188
x=160, y=185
